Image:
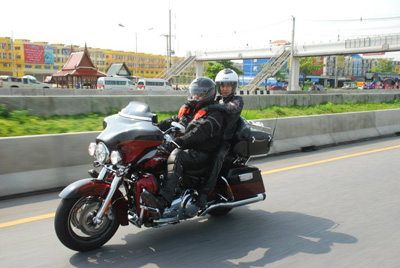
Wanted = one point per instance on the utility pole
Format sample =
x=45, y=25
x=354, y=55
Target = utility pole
x=137, y=61
x=291, y=85
x=169, y=46
x=12, y=53
x=169, y=43
x=336, y=71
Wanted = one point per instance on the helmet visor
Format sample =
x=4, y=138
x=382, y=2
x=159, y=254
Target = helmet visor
x=198, y=93
x=227, y=83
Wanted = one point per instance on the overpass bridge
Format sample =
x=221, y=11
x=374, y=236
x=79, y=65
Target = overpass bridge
x=387, y=43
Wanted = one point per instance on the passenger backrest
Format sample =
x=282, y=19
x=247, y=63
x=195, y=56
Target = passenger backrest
x=242, y=131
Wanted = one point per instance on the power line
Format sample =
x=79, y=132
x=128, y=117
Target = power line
x=358, y=20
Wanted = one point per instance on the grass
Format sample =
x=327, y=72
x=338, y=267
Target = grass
x=20, y=123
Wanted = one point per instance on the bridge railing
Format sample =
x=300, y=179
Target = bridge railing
x=373, y=41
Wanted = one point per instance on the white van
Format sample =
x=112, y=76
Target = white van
x=153, y=84
x=115, y=83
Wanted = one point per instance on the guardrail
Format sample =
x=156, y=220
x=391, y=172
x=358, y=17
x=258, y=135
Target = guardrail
x=37, y=163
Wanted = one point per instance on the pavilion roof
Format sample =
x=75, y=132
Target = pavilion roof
x=79, y=64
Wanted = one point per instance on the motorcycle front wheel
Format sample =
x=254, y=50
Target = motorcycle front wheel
x=74, y=224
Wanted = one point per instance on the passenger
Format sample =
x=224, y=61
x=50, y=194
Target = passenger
x=201, y=139
x=228, y=103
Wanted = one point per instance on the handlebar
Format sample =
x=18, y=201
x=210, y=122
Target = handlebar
x=168, y=138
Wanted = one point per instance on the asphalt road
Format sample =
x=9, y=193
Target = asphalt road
x=335, y=207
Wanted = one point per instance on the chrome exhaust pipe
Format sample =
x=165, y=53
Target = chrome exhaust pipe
x=259, y=197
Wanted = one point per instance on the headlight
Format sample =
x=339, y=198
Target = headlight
x=92, y=148
x=101, y=153
x=115, y=157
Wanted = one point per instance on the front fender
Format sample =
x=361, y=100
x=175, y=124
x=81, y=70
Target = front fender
x=91, y=187
x=85, y=187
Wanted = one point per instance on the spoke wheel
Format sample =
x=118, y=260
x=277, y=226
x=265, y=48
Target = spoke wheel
x=75, y=227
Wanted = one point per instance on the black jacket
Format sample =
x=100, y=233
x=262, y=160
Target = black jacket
x=203, y=128
x=204, y=132
x=231, y=107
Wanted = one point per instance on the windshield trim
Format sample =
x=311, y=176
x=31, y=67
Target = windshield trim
x=135, y=117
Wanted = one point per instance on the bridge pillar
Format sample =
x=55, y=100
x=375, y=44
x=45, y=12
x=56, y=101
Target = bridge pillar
x=294, y=75
x=199, y=68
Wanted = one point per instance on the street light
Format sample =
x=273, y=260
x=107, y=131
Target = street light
x=137, y=56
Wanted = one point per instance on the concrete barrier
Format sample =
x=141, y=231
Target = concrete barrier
x=35, y=163
x=299, y=133
x=71, y=105
x=83, y=92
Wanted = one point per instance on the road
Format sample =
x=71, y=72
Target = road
x=335, y=207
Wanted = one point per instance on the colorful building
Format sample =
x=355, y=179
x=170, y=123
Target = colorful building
x=22, y=57
x=252, y=67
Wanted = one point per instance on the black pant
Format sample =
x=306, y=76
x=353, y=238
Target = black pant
x=177, y=161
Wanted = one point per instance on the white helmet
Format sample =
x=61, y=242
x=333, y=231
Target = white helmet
x=227, y=76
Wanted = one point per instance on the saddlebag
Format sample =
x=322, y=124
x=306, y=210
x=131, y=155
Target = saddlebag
x=245, y=182
x=256, y=143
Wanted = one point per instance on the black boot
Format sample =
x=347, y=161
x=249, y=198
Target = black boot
x=202, y=200
x=156, y=205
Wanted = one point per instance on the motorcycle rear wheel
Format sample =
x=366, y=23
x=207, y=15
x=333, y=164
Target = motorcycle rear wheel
x=74, y=223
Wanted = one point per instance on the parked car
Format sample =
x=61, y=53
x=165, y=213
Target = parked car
x=316, y=88
x=277, y=88
x=27, y=81
x=349, y=85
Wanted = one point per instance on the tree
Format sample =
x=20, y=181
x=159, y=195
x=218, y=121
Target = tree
x=308, y=65
x=383, y=66
x=280, y=75
x=213, y=68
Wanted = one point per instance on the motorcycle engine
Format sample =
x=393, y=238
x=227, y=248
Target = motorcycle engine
x=189, y=208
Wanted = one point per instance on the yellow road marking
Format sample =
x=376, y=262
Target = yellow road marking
x=329, y=160
x=26, y=220
x=51, y=215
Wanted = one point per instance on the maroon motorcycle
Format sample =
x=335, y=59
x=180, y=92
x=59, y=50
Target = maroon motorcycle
x=129, y=153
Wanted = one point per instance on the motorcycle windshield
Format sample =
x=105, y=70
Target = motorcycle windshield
x=137, y=110
x=132, y=129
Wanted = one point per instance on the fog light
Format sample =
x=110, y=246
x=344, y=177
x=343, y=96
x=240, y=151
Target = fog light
x=115, y=158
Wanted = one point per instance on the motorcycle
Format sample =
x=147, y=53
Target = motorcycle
x=129, y=153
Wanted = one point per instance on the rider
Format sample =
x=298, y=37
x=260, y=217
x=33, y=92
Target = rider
x=228, y=103
x=201, y=139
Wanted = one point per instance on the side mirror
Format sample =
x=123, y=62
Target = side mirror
x=154, y=119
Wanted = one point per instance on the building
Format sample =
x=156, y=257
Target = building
x=251, y=68
x=78, y=72
x=6, y=55
x=41, y=59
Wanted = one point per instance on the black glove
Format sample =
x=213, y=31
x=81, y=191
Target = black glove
x=166, y=147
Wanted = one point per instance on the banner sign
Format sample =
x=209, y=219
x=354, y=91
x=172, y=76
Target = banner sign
x=34, y=54
x=374, y=54
x=48, y=55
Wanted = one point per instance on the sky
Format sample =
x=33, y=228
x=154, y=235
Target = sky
x=195, y=25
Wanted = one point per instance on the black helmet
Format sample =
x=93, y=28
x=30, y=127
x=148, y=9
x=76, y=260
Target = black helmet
x=201, y=87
